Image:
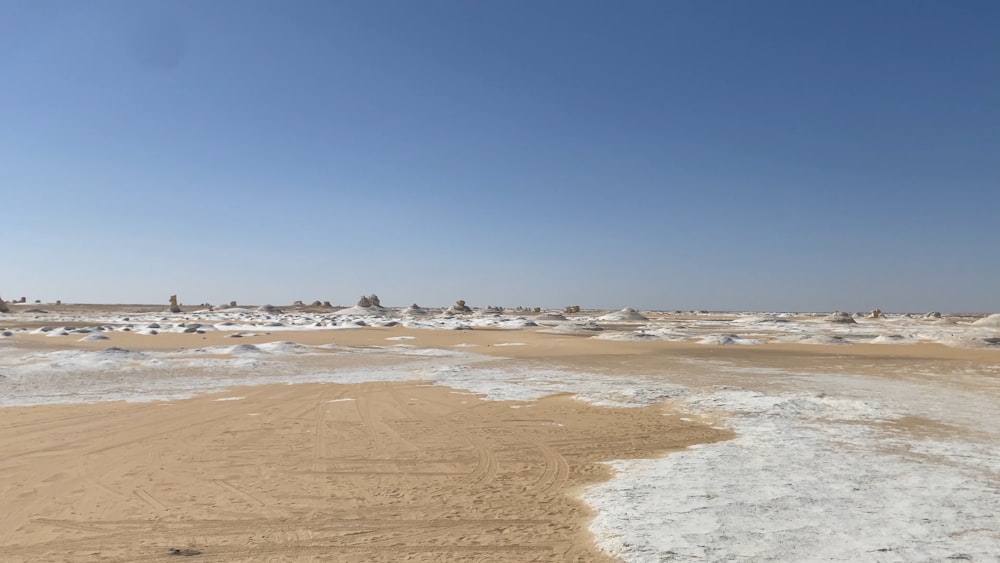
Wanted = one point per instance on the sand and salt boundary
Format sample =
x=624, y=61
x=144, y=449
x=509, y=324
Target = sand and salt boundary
x=369, y=471
x=372, y=471
x=397, y=468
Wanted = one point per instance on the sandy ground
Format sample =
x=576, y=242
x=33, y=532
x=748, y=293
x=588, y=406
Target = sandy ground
x=367, y=472
x=374, y=471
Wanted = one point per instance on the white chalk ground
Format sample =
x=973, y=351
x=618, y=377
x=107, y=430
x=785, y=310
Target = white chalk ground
x=816, y=472
x=745, y=328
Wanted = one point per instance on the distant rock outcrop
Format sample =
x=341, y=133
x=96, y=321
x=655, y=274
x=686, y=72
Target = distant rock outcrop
x=367, y=305
x=414, y=310
x=875, y=314
x=174, y=307
x=572, y=309
x=3, y=306
x=933, y=315
x=269, y=309
x=459, y=308
x=992, y=321
x=626, y=314
x=574, y=328
x=369, y=301
x=840, y=317
x=551, y=316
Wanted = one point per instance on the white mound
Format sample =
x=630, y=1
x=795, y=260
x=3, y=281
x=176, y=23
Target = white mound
x=367, y=305
x=840, y=317
x=726, y=340
x=360, y=311
x=638, y=336
x=992, y=321
x=822, y=339
x=574, y=328
x=282, y=346
x=94, y=337
x=244, y=349
x=758, y=319
x=894, y=339
x=626, y=314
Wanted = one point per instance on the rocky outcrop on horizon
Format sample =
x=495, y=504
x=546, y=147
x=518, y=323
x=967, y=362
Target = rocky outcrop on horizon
x=626, y=314
x=369, y=301
x=174, y=307
x=367, y=305
x=3, y=306
x=840, y=317
x=415, y=310
x=459, y=308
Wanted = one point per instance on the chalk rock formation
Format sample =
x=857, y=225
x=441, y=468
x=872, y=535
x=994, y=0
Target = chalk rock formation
x=933, y=315
x=840, y=317
x=626, y=314
x=298, y=303
x=574, y=328
x=459, y=308
x=552, y=316
x=875, y=314
x=174, y=307
x=3, y=306
x=269, y=309
x=414, y=310
x=366, y=305
x=992, y=320
x=232, y=304
x=572, y=309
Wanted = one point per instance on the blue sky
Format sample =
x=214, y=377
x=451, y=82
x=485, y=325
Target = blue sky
x=676, y=155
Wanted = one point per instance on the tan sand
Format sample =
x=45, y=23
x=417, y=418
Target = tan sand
x=369, y=472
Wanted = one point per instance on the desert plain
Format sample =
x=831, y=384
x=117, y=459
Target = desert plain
x=372, y=433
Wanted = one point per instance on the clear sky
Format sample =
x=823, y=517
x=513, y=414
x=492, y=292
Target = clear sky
x=704, y=154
